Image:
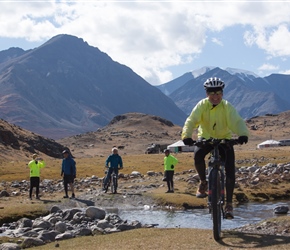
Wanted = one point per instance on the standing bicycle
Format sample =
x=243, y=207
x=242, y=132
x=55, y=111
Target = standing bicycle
x=113, y=163
x=215, y=117
x=216, y=179
x=113, y=182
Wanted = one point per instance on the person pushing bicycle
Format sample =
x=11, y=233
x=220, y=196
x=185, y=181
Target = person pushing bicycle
x=113, y=162
x=215, y=117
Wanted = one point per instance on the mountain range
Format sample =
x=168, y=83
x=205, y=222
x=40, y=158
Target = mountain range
x=250, y=94
x=66, y=87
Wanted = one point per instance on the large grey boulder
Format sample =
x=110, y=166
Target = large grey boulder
x=60, y=227
x=39, y=223
x=9, y=246
x=24, y=222
x=95, y=213
x=32, y=242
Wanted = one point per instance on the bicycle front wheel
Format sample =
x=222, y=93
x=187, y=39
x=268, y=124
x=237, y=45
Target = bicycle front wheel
x=114, y=185
x=216, y=203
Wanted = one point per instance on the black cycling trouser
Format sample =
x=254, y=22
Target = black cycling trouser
x=34, y=182
x=169, y=179
x=227, y=154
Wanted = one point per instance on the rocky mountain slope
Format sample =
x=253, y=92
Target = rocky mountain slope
x=66, y=87
x=134, y=132
x=131, y=132
x=17, y=143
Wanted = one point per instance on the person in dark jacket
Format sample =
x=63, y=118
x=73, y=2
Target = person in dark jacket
x=68, y=172
x=113, y=162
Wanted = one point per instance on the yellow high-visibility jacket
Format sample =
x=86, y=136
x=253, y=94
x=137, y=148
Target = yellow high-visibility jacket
x=35, y=168
x=169, y=161
x=214, y=122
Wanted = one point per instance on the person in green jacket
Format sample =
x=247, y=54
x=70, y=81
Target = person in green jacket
x=216, y=118
x=35, y=165
x=169, y=164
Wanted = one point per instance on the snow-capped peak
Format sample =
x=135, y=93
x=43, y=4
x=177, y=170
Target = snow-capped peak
x=196, y=73
x=233, y=71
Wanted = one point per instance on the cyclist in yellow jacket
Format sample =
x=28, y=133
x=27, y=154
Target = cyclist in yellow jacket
x=169, y=164
x=215, y=118
x=35, y=165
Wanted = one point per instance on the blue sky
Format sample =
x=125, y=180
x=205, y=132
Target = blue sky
x=160, y=40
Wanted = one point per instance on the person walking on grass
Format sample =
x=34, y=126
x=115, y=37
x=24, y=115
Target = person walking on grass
x=68, y=172
x=35, y=165
x=169, y=164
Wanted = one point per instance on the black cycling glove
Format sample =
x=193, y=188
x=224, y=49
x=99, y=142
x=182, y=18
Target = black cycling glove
x=188, y=141
x=243, y=139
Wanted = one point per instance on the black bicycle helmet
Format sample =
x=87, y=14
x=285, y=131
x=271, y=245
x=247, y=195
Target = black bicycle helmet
x=213, y=82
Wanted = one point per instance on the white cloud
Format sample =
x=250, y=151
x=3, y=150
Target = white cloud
x=268, y=67
x=217, y=41
x=275, y=41
x=285, y=72
x=150, y=36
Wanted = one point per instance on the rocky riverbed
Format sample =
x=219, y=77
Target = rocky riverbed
x=92, y=212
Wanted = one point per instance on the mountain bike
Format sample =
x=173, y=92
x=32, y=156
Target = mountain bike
x=216, y=182
x=113, y=182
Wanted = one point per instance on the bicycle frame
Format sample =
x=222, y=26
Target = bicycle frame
x=112, y=182
x=216, y=182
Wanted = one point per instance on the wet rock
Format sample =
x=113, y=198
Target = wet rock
x=281, y=210
x=24, y=222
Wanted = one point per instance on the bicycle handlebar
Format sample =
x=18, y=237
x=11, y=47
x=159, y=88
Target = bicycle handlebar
x=214, y=142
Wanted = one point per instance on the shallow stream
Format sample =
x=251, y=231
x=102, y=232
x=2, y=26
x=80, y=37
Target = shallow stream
x=248, y=213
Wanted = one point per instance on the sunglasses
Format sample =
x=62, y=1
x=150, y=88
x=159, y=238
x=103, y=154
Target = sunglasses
x=215, y=92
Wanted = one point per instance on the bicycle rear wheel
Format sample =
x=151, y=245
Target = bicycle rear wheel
x=106, y=187
x=216, y=204
x=114, y=184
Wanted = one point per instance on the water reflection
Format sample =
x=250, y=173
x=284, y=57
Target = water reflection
x=248, y=213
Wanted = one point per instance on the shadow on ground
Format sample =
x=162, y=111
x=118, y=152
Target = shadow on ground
x=85, y=202
x=250, y=240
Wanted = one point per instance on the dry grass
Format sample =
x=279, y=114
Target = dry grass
x=245, y=155
x=150, y=238
x=86, y=167
x=15, y=208
x=172, y=239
